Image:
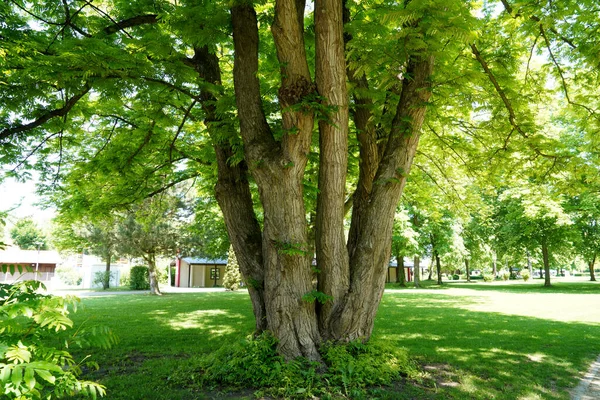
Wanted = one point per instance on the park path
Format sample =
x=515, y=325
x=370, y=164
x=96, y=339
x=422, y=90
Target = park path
x=589, y=387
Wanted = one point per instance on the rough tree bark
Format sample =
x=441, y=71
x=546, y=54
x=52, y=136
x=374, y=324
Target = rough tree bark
x=232, y=190
x=592, y=272
x=351, y=274
x=468, y=271
x=106, y=280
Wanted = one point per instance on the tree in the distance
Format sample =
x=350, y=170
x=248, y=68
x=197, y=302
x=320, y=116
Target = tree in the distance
x=26, y=234
x=232, y=277
x=149, y=230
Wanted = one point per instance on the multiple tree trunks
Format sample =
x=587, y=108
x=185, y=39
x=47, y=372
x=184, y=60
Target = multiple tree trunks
x=350, y=275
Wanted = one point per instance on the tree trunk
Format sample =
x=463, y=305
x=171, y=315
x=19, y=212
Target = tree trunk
x=106, y=280
x=417, y=271
x=529, y=266
x=494, y=268
x=438, y=267
x=153, y=275
x=278, y=168
x=330, y=73
x=352, y=274
x=400, y=275
x=546, y=258
x=232, y=190
x=592, y=272
x=468, y=271
x=430, y=269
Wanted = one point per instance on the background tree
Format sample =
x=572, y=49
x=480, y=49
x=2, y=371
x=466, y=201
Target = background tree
x=26, y=234
x=232, y=277
x=148, y=231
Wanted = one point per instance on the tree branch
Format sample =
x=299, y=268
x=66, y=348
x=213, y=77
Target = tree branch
x=59, y=112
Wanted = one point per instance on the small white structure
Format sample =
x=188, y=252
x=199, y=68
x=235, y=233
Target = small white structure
x=41, y=264
x=199, y=272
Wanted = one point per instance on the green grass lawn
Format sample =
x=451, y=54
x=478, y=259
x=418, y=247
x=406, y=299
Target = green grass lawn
x=480, y=341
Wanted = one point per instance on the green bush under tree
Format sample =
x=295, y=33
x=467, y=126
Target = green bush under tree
x=138, y=278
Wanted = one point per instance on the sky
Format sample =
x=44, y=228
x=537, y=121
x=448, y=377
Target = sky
x=20, y=199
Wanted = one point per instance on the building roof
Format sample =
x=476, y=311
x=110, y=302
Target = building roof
x=14, y=255
x=204, y=261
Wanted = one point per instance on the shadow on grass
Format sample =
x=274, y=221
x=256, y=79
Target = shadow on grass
x=489, y=355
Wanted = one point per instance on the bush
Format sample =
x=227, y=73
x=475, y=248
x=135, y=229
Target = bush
x=138, y=278
x=525, y=274
x=254, y=362
x=488, y=277
x=455, y=277
x=103, y=278
x=36, y=335
x=68, y=276
x=505, y=275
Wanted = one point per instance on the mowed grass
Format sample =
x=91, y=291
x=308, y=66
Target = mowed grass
x=473, y=341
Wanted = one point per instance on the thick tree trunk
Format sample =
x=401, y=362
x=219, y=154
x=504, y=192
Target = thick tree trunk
x=417, y=271
x=438, y=267
x=592, y=272
x=369, y=258
x=332, y=255
x=153, y=274
x=232, y=191
x=430, y=269
x=468, y=271
x=546, y=258
x=278, y=168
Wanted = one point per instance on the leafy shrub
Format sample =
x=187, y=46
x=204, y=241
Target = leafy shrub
x=525, y=274
x=505, y=275
x=103, y=278
x=124, y=278
x=138, y=278
x=455, y=277
x=348, y=370
x=35, y=334
x=488, y=277
x=68, y=276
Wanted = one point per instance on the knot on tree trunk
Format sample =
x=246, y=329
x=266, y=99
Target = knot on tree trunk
x=296, y=90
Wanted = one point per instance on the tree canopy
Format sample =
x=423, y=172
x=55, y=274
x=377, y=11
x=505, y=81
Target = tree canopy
x=295, y=113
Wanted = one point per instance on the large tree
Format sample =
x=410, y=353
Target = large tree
x=140, y=91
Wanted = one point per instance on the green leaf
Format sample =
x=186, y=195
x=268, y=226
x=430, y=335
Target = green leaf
x=46, y=375
x=29, y=378
x=17, y=375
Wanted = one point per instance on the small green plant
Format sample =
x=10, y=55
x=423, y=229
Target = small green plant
x=488, y=277
x=455, y=277
x=103, y=278
x=35, y=336
x=505, y=275
x=525, y=274
x=315, y=295
x=254, y=362
x=138, y=278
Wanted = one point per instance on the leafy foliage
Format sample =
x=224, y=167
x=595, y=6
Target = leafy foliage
x=27, y=235
x=35, y=335
x=138, y=278
x=348, y=370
